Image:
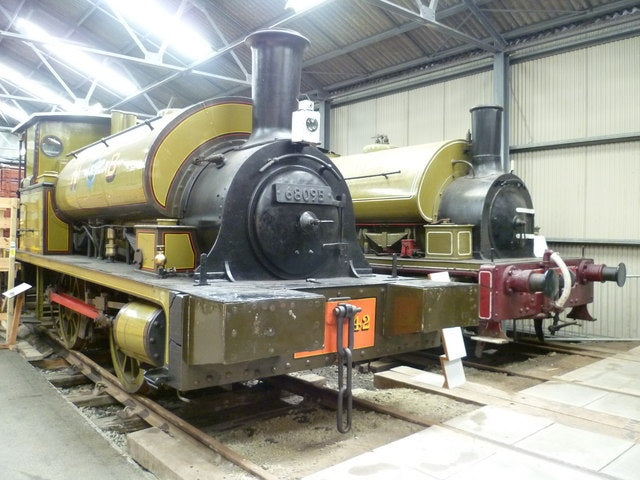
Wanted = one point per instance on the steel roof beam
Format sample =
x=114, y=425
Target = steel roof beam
x=425, y=21
x=462, y=49
x=580, y=16
x=621, y=29
x=225, y=42
x=119, y=56
x=407, y=27
x=228, y=48
x=486, y=23
x=52, y=70
x=361, y=44
x=12, y=18
x=132, y=34
x=21, y=98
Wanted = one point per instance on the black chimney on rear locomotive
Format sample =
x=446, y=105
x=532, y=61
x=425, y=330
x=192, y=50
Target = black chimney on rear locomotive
x=495, y=202
x=277, y=68
x=486, y=139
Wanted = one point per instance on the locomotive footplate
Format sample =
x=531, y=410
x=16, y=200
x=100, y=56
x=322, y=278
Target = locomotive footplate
x=262, y=332
x=227, y=332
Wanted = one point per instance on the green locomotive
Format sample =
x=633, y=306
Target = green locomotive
x=210, y=246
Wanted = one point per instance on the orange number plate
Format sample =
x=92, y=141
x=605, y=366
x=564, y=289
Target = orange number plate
x=364, y=327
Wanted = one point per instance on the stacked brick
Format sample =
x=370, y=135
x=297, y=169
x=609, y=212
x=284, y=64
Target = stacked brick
x=9, y=180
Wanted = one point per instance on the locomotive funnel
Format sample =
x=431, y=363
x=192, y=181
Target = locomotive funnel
x=486, y=135
x=276, y=72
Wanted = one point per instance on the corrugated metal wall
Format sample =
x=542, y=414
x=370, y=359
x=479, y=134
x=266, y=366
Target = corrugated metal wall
x=586, y=192
x=584, y=93
x=616, y=309
x=426, y=114
x=580, y=193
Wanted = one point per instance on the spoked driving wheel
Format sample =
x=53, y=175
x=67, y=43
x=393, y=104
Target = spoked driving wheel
x=68, y=325
x=128, y=369
x=71, y=325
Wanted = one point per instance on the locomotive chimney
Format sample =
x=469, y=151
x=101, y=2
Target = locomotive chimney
x=486, y=136
x=276, y=72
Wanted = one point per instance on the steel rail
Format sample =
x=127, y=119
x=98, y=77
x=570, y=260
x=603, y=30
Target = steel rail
x=328, y=397
x=155, y=415
x=592, y=352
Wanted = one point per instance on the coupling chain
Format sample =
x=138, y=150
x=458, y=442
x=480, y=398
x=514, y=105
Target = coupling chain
x=345, y=312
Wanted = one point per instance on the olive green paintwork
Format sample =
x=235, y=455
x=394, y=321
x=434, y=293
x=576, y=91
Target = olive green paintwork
x=42, y=231
x=385, y=263
x=134, y=328
x=415, y=178
x=425, y=306
x=136, y=171
x=228, y=332
x=122, y=120
x=175, y=242
x=83, y=269
x=70, y=130
x=231, y=330
x=448, y=241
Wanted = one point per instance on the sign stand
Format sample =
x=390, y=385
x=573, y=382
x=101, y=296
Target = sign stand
x=451, y=361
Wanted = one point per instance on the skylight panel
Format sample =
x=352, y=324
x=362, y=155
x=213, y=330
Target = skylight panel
x=164, y=27
x=79, y=60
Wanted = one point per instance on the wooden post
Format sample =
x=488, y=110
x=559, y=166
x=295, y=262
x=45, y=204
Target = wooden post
x=14, y=324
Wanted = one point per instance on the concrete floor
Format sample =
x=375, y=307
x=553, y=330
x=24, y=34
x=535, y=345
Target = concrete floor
x=42, y=436
x=499, y=442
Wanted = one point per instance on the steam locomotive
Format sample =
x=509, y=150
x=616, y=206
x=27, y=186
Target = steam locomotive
x=209, y=245
x=450, y=207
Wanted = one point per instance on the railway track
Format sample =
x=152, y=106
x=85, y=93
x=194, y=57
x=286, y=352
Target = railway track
x=526, y=349
x=156, y=415
x=106, y=390
x=220, y=436
x=590, y=351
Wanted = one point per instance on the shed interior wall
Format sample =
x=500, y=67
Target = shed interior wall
x=581, y=194
x=431, y=113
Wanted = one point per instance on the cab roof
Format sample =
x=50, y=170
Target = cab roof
x=60, y=117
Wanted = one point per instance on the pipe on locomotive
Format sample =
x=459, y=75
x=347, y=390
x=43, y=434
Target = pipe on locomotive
x=486, y=145
x=275, y=83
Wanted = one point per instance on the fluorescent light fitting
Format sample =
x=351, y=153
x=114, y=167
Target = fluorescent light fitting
x=302, y=5
x=164, y=27
x=105, y=75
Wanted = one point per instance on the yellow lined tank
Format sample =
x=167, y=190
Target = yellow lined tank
x=403, y=184
x=140, y=172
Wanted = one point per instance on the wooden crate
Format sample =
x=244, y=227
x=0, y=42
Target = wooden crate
x=8, y=229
